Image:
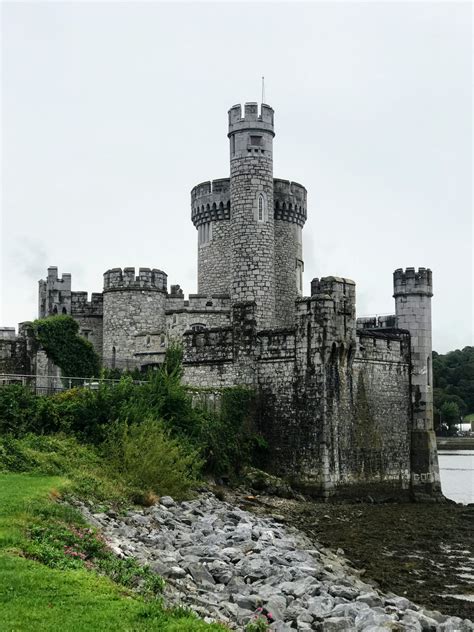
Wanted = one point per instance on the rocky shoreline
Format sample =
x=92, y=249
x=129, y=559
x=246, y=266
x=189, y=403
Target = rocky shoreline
x=232, y=566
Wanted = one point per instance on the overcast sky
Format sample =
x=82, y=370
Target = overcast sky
x=112, y=112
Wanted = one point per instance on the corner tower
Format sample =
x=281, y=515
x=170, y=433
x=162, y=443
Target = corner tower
x=252, y=225
x=412, y=292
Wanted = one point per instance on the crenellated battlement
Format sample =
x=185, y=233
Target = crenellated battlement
x=81, y=306
x=251, y=118
x=210, y=201
x=211, y=346
x=147, y=279
x=53, y=282
x=335, y=287
x=289, y=199
x=410, y=281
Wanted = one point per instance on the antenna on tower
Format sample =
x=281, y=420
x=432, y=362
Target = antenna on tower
x=263, y=89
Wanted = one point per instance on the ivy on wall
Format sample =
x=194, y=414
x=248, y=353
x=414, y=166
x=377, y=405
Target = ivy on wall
x=60, y=339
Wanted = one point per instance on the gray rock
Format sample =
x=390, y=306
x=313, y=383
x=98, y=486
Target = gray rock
x=372, y=599
x=220, y=571
x=399, y=602
x=247, y=602
x=320, y=606
x=276, y=607
x=200, y=574
x=176, y=572
x=336, y=624
x=306, y=586
x=343, y=591
x=167, y=501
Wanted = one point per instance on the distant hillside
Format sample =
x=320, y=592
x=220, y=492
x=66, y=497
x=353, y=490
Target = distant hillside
x=453, y=375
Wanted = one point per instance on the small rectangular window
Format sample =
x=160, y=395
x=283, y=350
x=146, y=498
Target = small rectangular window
x=256, y=141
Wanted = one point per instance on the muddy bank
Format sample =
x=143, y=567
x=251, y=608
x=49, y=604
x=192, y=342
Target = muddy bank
x=423, y=552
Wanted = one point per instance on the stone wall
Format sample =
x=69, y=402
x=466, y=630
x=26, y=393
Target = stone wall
x=214, y=267
x=14, y=356
x=89, y=316
x=287, y=254
x=370, y=416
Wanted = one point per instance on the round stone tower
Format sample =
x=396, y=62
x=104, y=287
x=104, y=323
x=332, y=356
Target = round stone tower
x=290, y=217
x=412, y=292
x=252, y=222
x=133, y=306
x=210, y=214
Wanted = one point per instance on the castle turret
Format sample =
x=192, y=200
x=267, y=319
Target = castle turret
x=54, y=294
x=290, y=215
x=412, y=291
x=210, y=214
x=252, y=219
x=133, y=306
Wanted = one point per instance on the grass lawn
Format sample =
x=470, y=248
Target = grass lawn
x=34, y=597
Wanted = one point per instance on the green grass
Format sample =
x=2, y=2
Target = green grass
x=36, y=597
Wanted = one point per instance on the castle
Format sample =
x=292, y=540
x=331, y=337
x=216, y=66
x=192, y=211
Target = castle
x=345, y=403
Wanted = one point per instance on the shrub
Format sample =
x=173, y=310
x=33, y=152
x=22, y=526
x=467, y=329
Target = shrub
x=231, y=440
x=17, y=409
x=150, y=460
x=60, y=455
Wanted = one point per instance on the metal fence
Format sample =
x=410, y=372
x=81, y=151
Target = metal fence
x=50, y=384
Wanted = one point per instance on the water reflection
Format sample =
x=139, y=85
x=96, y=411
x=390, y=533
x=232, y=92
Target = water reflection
x=457, y=474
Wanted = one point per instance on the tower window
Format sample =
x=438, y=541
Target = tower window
x=205, y=233
x=256, y=141
x=261, y=208
x=233, y=144
x=198, y=327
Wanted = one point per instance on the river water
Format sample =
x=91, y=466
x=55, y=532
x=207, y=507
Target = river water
x=456, y=468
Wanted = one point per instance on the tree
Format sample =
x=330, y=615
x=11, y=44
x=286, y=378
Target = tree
x=450, y=415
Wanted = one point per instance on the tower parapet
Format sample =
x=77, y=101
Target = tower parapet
x=289, y=200
x=210, y=201
x=149, y=279
x=412, y=282
x=251, y=118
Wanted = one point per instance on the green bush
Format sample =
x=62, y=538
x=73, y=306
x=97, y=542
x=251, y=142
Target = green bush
x=89, y=474
x=231, y=440
x=17, y=409
x=150, y=460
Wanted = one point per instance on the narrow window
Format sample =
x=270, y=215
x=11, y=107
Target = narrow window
x=64, y=310
x=233, y=144
x=256, y=141
x=428, y=370
x=261, y=203
x=114, y=353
